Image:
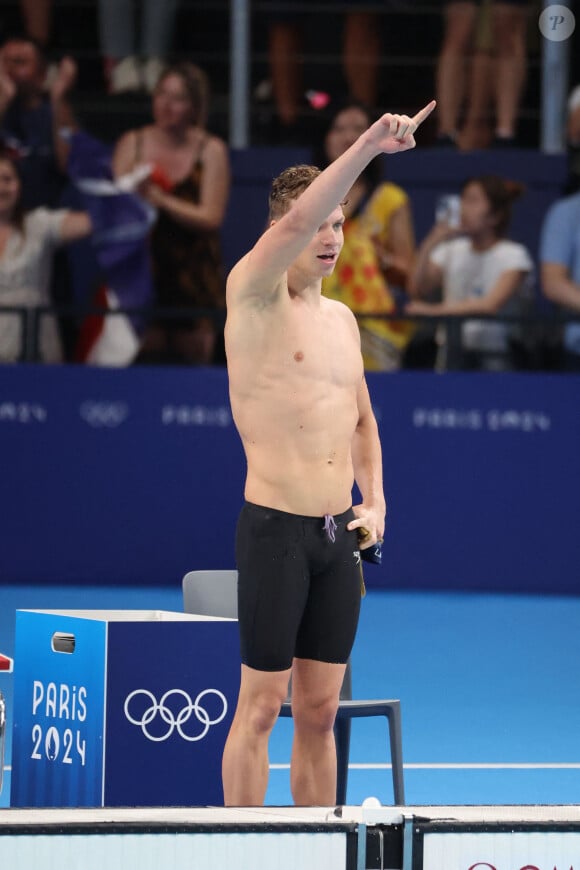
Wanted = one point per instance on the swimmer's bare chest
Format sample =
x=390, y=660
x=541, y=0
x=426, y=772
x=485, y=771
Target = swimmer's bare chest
x=294, y=397
x=300, y=374
x=317, y=347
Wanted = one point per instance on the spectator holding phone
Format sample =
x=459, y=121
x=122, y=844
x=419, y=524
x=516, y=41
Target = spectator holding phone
x=479, y=271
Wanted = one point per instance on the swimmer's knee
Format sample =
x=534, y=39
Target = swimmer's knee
x=260, y=701
x=264, y=712
x=315, y=716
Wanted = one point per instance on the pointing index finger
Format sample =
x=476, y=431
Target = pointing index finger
x=424, y=113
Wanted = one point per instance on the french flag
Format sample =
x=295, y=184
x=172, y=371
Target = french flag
x=121, y=223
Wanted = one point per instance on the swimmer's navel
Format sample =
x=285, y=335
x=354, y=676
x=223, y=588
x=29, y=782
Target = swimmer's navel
x=298, y=356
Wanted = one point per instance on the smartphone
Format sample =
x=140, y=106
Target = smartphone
x=448, y=209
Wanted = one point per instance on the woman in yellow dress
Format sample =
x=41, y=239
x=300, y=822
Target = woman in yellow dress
x=379, y=247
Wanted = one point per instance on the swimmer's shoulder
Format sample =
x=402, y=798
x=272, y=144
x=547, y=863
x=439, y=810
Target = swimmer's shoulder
x=338, y=309
x=243, y=287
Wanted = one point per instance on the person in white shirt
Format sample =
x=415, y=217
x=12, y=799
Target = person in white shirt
x=27, y=244
x=478, y=271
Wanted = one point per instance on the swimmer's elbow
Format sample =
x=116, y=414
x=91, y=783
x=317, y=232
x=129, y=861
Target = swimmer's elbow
x=297, y=221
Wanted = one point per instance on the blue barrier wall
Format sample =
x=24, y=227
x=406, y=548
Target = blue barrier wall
x=136, y=476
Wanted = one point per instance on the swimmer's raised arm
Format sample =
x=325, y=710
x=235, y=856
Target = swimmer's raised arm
x=260, y=272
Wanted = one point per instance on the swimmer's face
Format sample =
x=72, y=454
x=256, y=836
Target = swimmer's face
x=319, y=257
x=345, y=130
x=476, y=212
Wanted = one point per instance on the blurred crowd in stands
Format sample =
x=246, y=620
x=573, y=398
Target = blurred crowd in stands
x=133, y=225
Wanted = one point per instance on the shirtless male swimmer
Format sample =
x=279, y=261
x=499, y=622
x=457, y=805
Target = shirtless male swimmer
x=302, y=408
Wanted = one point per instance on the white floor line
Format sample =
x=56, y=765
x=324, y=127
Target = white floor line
x=492, y=765
x=572, y=765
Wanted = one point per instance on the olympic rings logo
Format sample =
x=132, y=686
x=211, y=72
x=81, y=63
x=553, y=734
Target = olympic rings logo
x=104, y=414
x=175, y=719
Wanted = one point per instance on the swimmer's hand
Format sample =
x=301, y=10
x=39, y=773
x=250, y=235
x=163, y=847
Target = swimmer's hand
x=369, y=525
x=394, y=133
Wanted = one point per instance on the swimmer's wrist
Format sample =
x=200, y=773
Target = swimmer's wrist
x=377, y=502
x=368, y=146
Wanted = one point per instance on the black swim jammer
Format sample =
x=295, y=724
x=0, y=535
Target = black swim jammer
x=299, y=590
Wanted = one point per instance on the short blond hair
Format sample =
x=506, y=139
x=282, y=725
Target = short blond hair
x=288, y=186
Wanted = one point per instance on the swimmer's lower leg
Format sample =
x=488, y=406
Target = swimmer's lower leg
x=313, y=767
x=245, y=768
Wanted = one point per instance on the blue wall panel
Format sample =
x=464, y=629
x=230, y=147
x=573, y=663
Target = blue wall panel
x=136, y=476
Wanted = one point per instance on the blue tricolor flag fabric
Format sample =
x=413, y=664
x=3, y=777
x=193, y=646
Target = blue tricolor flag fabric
x=121, y=223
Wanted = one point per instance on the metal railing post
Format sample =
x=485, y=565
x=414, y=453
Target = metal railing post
x=555, y=71
x=239, y=109
x=30, y=334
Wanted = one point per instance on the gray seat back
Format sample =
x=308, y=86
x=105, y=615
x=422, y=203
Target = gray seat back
x=211, y=593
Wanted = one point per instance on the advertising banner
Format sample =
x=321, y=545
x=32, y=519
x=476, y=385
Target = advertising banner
x=136, y=476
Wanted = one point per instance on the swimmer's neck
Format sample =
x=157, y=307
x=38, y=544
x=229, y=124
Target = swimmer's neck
x=307, y=288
